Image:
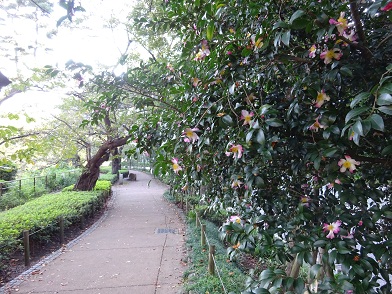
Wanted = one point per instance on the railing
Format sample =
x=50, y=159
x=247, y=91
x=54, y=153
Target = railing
x=142, y=162
x=37, y=185
x=212, y=264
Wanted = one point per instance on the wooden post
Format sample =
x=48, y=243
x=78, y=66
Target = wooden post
x=203, y=235
x=34, y=185
x=1, y=189
x=197, y=220
x=61, y=224
x=26, y=245
x=20, y=187
x=211, y=264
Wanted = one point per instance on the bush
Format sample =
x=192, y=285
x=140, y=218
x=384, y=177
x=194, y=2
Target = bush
x=101, y=185
x=109, y=177
x=105, y=169
x=43, y=212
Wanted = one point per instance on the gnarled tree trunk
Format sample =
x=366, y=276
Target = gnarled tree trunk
x=89, y=177
x=116, y=160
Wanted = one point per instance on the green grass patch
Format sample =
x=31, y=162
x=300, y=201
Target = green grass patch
x=197, y=278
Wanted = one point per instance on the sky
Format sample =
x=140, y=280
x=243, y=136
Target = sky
x=88, y=42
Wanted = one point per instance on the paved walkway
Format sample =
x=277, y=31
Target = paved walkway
x=137, y=248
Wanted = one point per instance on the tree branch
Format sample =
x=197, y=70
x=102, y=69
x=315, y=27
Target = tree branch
x=18, y=137
x=40, y=7
x=359, y=28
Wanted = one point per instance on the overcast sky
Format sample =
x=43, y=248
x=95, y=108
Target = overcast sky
x=89, y=42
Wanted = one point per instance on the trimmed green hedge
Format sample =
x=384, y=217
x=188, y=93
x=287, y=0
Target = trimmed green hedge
x=105, y=169
x=101, y=185
x=44, y=212
x=109, y=177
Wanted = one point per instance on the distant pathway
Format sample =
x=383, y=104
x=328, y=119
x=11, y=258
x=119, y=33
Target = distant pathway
x=137, y=248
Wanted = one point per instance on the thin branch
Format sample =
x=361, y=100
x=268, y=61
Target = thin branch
x=358, y=27
x=19, y=137
x=40, y=7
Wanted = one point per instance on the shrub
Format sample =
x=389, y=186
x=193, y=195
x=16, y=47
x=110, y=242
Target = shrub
x=109, y=177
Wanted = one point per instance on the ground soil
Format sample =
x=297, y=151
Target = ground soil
x=14, y=265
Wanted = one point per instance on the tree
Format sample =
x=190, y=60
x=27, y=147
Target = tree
x=289, y=107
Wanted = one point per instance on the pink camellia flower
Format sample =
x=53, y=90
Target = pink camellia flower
x=341, y=23
x=305, y=201
x=387, y=7
x=328, y=55
x=316, y=126
x=191, y=135
x=312, y=51
x=332, y=228
x=229, y=52
x=203, y=52
x=236, y=150
x=331, y=185
x=351, y=36
x=246, y=116
x=170, y=67
x=235, y=219
x=176, y=166
x=236, y=184
x=360, y=223
x=321, y=98
x=348, y=163
x=195, y=82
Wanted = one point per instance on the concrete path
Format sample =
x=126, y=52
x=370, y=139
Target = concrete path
x=137, y=248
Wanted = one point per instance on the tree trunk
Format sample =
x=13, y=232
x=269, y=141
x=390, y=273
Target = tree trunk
x=116, y=161
x=89, y=177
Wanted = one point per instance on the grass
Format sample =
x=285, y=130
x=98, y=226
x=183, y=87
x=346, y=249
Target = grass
x=197, y=279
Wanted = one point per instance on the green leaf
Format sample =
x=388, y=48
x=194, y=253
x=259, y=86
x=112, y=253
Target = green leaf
x=259, y=182
x=231, y=89
x=355, y=112
x=296, y=15
x=377, y=122
x=314, y=270
x=344, y=70
x=260, y=138
x=274, y=122
x=386, y=109
x=261, y=291
x=384, y=99
x=359, y=98
x=357, y=127
x=359, y=270
x=387, y=150
x=330, y=151
x=210, y=31
x=280, y=24
x=387, y=88
x=249, y=136
x=227, y=120
x=286, y=38
x=320, y=243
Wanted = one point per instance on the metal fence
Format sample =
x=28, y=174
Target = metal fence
x=36, y=185
x=142, y=162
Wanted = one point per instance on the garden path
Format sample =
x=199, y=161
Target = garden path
x=136, y=247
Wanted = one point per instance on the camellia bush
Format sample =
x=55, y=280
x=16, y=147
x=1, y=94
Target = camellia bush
x=280, y=112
